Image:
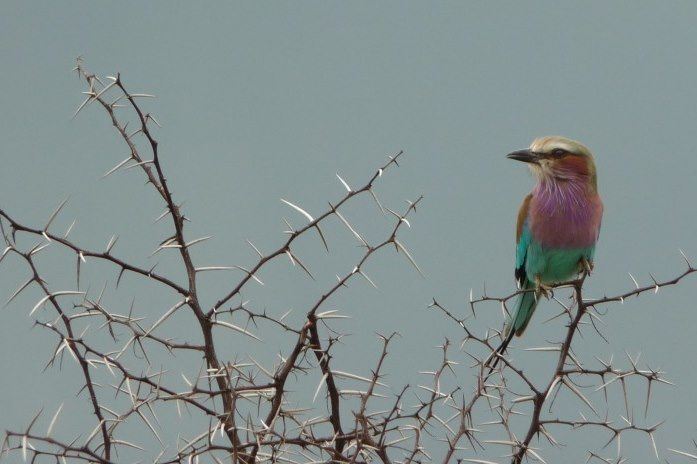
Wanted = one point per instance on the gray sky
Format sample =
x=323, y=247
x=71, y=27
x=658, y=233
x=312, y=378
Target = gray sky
x=265, y=100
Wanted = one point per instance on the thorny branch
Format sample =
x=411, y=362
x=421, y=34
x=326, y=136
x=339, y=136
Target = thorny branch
x=567, y=374
x=232, y=382
x=248, y=411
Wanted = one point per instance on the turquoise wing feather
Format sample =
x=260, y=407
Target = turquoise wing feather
x=526, y=302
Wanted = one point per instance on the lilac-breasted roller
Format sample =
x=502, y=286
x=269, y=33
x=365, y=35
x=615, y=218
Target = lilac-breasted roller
x=558, y=224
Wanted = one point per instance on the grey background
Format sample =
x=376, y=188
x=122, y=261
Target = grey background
x=267, y=100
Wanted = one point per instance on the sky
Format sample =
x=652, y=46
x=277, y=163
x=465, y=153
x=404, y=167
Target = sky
x=266, y=100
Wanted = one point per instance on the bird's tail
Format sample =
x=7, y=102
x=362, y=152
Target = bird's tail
x=495, y=357
x=524, y=308
x=516, y=324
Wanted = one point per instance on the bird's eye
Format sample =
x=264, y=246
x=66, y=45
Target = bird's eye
x=558, y=152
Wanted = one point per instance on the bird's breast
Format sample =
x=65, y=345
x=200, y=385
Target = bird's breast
x=565, y=219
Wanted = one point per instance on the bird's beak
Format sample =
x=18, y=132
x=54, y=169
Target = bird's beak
x=526, y=156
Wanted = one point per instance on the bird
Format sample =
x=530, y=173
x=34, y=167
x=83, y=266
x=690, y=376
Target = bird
x=557, y=228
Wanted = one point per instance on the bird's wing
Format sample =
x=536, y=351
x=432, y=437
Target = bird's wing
x=522, y=241
x=600, y=218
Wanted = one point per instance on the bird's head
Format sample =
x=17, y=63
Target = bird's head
x=559, y=159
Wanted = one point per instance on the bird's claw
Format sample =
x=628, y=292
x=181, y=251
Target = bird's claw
x=585, y=265
x=542, y=289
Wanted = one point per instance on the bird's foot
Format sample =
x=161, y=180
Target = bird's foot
x=585, y=265
x=542, y=289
